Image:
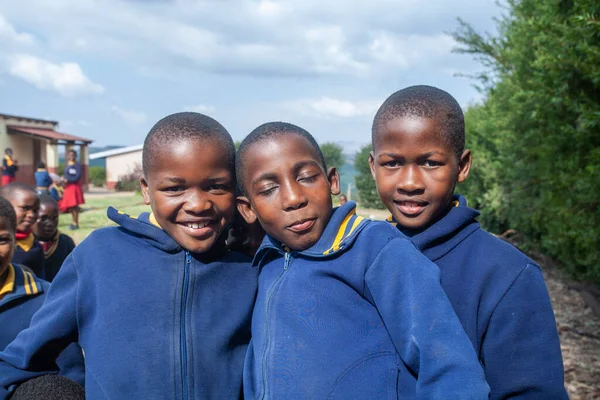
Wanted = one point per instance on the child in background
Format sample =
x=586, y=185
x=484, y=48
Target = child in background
x=343, y=199
x=56, y=189
x=26, y=203
x=9, y=167
x=73, y=193
x=22, y=294
x=57, y=246
x=42, y=179
x=498, y=293
x=342, y=300
x=159, y=305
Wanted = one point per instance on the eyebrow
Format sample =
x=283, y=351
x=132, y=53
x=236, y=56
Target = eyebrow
x=394, y=155
x=301, y=164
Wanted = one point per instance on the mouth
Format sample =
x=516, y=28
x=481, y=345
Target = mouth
x=302, y=226
x=411, y=208
x=199, y=229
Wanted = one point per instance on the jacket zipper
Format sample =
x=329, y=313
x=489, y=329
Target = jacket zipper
x=286, y=265
x=182, y=336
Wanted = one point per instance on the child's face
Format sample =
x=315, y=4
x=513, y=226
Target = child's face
x=45, y=226
x=72, y=156
x=190, y=187
x=416, y=170
x=288, y=190
x=27, y=206
x=7, y=244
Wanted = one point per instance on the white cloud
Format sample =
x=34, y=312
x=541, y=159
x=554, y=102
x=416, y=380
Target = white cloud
x=65, y=78
x=130, y=116
x=201, y=108
x=333, y=108
x=9, y=37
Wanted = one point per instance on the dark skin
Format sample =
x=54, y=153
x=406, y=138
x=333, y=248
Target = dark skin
x=27, y=205
x=190, y=187
x=416, y=170
x=290, y=195
x=7, y=247
x=47, y=222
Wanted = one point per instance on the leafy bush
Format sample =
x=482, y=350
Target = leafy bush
x=130, y=182
x=367, y=190
x=97, y=176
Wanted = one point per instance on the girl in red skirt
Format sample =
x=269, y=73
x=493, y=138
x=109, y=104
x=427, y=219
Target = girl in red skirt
x=73, y=195
x=9, y=167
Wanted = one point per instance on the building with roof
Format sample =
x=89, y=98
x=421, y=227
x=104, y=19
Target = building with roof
x=34, y=140
x=120, y=162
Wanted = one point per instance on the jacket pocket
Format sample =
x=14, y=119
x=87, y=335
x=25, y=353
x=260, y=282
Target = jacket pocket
x=371, y=377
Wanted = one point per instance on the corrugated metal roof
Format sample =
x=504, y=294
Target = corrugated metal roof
x=47, y=134
x=114, y=152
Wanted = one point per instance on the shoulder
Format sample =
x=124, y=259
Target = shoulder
x=486, y=246
x=66, y=239
x=380, y=237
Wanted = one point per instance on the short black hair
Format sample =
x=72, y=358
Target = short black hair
x=47, y=199
x=9, y=190
x=268, y=131
x=49, y=387
x=185, y=126
x=41, y=164
x=7, y=212
x=425, y=102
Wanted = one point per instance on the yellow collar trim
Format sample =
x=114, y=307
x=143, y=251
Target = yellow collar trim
x=71, y=163
x=9, y=161
x=41, y=170
x=27, y=243
x=9, y=283
x=153, y=221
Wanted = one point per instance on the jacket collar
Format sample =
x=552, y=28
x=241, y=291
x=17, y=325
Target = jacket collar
x=20, y=283
x=341, y=231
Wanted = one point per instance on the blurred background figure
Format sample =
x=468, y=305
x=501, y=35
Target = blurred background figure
x=343, y=199
x=42, y=179
x=9, y=167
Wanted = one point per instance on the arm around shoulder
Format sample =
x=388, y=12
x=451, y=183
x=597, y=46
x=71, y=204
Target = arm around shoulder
x=521, y=349
x=405, y=287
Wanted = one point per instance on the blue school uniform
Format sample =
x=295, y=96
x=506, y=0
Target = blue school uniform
x=42, y=180
x=29, y=252
x=501, y=299
x=337, y=320
x=57, y=251
x=10, y=168
x=155, y=321
x=20, y=297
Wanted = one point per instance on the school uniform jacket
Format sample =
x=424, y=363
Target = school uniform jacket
x=42, y=179
x=337, y=320
x=29, y=252
x=73, y=172
x=154, y=321
x=22, y=295
x=501, y=299
x=10, y=168
x=59, y=249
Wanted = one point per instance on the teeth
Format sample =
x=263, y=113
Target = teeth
x=197, y=225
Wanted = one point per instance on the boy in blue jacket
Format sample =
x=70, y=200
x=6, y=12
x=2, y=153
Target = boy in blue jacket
x=43, y=181
x=159, y=306
x=22, y=294
x=330, y=319
x=497, y=292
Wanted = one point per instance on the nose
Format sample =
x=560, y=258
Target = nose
x=197, y=202
x=293, y=196
x=410, y=180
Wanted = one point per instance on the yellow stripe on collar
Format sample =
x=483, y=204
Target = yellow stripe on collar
x=27, y=243
x=153, y=221
x=9, y=283
x=9, y=161
x=32, y=289
x=342, y=230
x=71, y=163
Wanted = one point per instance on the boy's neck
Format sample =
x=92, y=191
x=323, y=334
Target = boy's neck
x=50, y=238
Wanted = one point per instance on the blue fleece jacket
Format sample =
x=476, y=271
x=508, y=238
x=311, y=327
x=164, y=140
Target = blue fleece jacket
x=336, y=321
x=155, y=321
x=501, y=299
x=42, y=178
x=23, y=295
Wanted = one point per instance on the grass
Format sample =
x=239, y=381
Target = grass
x=94, y=215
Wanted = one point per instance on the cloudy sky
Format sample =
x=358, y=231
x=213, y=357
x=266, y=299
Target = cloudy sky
x=108, y=70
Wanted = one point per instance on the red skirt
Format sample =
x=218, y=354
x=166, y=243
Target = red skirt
x=72, y=197
x=6, y=179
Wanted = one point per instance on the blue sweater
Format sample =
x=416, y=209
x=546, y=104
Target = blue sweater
x=501, y=299
x=155, y=321
x=31, y=256
x=337, y=320
x=73, y=173
x=25, y=295
x=42, y=178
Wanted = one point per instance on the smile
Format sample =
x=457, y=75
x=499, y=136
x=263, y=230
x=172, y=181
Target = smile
x=411, y=208
x=199, y=229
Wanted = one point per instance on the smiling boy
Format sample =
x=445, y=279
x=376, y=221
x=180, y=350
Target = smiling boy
x=498, y=293
x=160, y=307
x=331, y=320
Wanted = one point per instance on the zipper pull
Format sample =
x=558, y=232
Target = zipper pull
x=188, y=257
x=286, y=263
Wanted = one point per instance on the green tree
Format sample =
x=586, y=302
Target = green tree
x=333, y=153
x=535, y=136
x=367, y=190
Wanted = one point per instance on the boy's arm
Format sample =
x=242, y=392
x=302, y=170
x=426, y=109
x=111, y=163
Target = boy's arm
x=521, y=349
x=405, y=287
x=53, y=327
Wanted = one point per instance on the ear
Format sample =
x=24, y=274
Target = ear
x=464, y=166
x=145, y=190
x=334, y=181
x=245, y=209
x=372, y=165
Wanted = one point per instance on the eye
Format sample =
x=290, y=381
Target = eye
x=267, y=191
x=432, y=164
x=308, y=179
x=219, y=187
x=391, y=164
x=173, y=189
